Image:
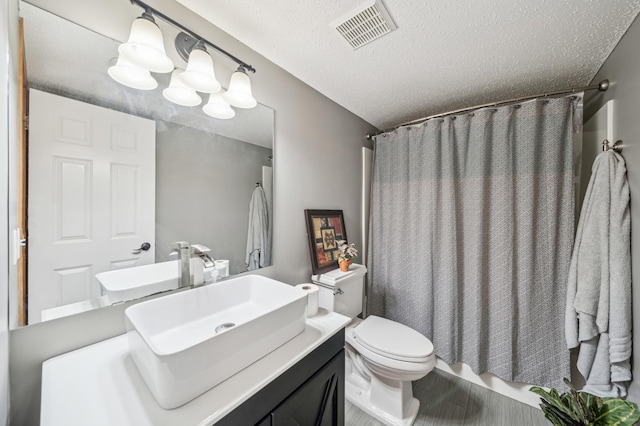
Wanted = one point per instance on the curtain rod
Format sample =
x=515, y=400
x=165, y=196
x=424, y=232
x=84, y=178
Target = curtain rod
x=601, y=87
x=176, y=24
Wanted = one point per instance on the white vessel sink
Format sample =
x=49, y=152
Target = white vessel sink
x=132, y=283
x=186, y=343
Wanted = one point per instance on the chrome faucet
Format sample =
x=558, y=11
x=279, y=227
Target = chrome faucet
x=186, y=275
x=198, y=250
x=185, y=278
x=206, y=272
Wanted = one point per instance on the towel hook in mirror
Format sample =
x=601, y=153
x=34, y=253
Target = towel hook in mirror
x=617, y=147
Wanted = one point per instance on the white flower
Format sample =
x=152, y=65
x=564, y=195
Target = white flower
x=347, y=251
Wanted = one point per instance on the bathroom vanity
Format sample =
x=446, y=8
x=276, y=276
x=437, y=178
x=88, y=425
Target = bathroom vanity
x=302, y=380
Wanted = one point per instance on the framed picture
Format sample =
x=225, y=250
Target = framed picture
x=324, y=229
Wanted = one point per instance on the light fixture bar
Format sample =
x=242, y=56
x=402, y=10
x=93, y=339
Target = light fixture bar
x=170, y=21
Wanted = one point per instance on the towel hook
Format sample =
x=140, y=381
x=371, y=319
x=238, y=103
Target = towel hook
x=617, y=147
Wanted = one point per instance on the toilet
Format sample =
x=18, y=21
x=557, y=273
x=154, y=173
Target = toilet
x=383, y=357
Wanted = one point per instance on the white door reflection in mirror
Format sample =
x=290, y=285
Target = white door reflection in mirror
x=91, y=198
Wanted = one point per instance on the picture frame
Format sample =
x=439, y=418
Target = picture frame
x=324, y=229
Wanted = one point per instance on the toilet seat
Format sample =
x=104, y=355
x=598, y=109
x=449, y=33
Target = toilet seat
x=385, y=364
x=393, y=340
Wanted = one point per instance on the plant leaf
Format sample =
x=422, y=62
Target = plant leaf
x=592, y=405
x=577, y=403
x=562, y=405
x=582, y=408
x=617, y=412
x=595, y=409
x=554, y=418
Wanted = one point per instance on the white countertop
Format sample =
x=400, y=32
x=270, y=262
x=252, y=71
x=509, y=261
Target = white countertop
x=100, y=385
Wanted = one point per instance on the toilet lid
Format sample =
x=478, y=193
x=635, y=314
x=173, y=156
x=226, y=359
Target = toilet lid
x=393, y=340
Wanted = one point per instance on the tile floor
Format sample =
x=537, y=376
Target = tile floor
x=448, y=400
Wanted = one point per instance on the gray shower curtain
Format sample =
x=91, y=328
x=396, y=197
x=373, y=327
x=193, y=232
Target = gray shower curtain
x=471, y=231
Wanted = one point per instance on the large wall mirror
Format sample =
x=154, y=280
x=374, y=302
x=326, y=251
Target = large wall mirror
x=126, y=166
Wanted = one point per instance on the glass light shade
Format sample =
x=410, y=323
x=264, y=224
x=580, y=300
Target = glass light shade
x=239, y=93
x=179, y=93
x=218, y=107
x=131, y=75
x=199, y=74
x=145, y=47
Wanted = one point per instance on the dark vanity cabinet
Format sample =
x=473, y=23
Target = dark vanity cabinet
x=318, y=401
x=310, y=393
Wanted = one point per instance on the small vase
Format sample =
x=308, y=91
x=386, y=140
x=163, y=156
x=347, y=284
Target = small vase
x=344, y=265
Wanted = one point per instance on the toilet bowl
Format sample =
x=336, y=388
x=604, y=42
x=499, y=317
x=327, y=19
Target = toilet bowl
x=383, y=357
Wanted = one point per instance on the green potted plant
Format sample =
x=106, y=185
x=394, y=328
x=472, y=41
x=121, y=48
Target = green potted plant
x=347, y=252
x=582, y=408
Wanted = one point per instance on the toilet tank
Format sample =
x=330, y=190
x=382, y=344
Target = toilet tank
x=341, y=292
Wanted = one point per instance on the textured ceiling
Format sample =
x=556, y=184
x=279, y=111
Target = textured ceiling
x=443, y=56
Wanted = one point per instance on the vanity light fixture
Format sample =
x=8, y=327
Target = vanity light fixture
x=131, y=75
x=179, y=93
x=218, y=107
x=239, y=93
x=145, y=46
x=144, y=52
x=199, y=74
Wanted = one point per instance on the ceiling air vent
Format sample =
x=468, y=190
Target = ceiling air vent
x=367, y=22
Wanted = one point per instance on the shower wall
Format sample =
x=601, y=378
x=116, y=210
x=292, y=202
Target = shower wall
x=622, y=68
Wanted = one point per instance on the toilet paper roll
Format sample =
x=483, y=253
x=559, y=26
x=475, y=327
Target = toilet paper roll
x=312, y=302
x=223, y=268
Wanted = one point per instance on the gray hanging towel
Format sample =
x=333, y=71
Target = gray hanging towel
x=258, y=238
x=598, y=314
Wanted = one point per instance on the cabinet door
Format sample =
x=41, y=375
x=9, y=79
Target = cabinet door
x=265, y=422
x=318, y=402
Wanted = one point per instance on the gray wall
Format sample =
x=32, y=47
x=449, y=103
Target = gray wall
x=204, y=184
x=622, y=68
x=316, y=164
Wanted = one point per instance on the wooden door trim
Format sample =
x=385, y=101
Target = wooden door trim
x=22, y=174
